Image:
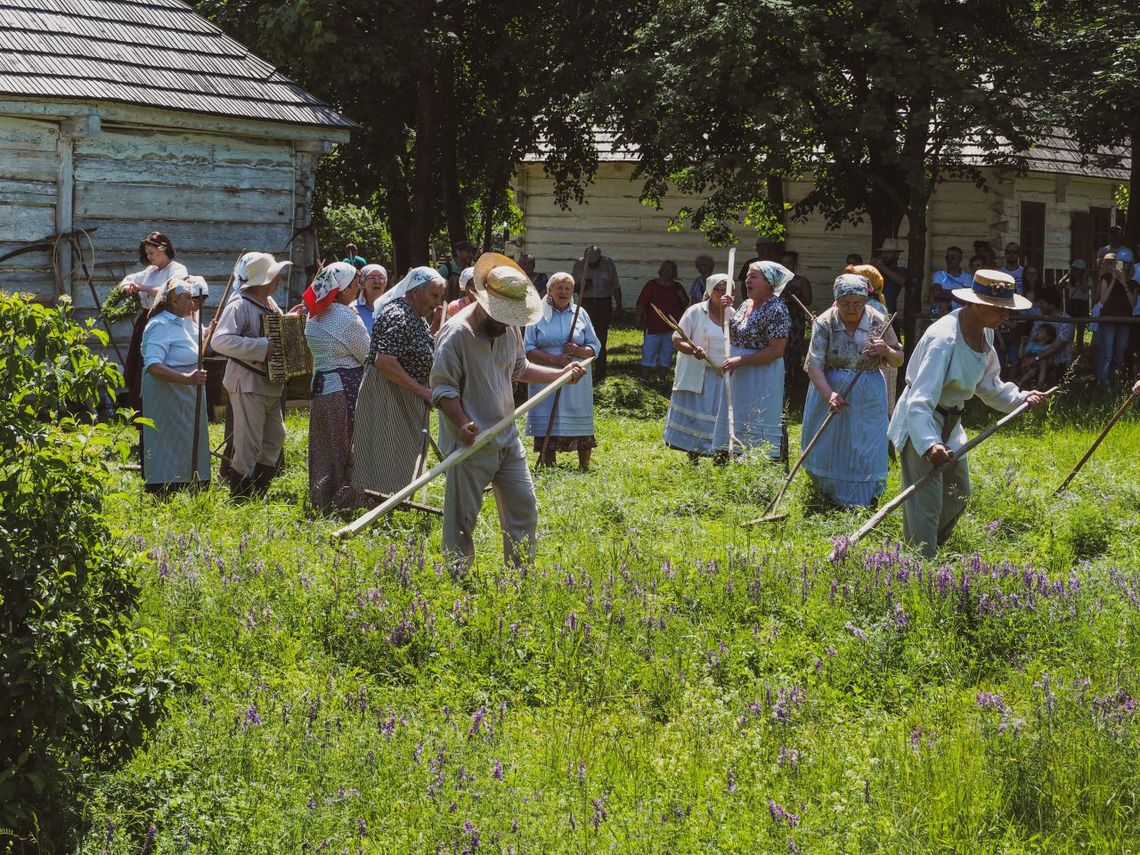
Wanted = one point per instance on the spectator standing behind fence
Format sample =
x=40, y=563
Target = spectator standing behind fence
x=602, y=299
x=540, y=280
x=945, y=281
x=704, y=265
x=1114, y=245
x=1116, y=301
x=886, y=261
x=796, y=293
x=668, y=295
x=1011, y=266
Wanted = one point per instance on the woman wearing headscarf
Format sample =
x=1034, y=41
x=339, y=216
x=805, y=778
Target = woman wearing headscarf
x=878, y=302
x=548, y=342
x=373, y=282
x=394, y=397
x=466, y=284
x=758, y=335
x=156, y=251
x=952, y=362
x=339, y=343
x=848, y=464
x=169, y=349
x=698, y=392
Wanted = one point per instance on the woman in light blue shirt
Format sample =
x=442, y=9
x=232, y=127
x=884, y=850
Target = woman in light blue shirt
x=548, y=343
x=170, y=375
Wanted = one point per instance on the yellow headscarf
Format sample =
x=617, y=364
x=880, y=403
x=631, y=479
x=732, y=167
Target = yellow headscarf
x=872, y=275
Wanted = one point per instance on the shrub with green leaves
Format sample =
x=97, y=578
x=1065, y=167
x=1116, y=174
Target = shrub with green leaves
x=79, y=683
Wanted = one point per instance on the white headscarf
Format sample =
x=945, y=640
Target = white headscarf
x=415, y=278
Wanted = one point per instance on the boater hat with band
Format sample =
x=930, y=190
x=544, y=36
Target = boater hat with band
x=992, y=288
x=505, y=292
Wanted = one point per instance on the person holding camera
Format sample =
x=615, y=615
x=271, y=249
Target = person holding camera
x=1116, y=301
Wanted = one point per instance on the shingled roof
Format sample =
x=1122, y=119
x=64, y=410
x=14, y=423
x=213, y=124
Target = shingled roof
x=146, y=52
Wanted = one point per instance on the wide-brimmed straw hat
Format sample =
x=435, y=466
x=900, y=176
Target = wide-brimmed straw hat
x=505, y=292
x=993, y=288
x=891, y=245
x=261, y=268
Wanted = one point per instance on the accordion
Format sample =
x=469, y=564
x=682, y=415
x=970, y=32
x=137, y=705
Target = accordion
x=291, y=356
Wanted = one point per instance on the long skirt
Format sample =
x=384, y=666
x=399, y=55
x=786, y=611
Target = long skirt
x=389, y=425
x=133, y=371
x=849, y=463
x=757, y=405
x=691, y=420
x=574, y=418
x=330, y=444
x=168, y=446
x=891, y=377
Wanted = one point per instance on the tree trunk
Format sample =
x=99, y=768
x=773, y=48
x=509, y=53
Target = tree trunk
x=399, y=217
x=420, y=226
x=1132, y=222
x=454, y=209
x=776, y=201
x=916, y=267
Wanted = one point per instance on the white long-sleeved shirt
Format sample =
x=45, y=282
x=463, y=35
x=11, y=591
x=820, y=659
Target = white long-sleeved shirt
x=154, y=277
x=944, y=371
x=337, y=339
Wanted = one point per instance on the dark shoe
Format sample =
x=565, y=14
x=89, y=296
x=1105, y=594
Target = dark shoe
x=240, y=486
x=262, y=476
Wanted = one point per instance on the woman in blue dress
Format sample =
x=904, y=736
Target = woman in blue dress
x=548, y=342
x=758, y=336
x=848, y=464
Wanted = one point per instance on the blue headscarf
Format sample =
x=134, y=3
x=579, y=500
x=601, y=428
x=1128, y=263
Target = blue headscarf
x=851, y=285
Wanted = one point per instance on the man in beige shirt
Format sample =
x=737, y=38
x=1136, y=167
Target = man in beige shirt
x=258, y=424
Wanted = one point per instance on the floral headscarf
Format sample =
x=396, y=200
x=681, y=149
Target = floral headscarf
x=241, y=275
x=327, y=284
x=415, y=278
x=776, y=274
x=851, y=285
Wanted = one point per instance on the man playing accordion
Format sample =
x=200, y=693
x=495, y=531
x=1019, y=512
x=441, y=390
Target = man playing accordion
x=258, y=424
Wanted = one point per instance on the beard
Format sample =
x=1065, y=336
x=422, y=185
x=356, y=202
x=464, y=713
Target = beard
x=492, y=328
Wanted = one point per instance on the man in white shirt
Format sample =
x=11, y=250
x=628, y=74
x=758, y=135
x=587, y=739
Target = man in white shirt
x=945, y=281
x=953, y=361
x=1012, y=265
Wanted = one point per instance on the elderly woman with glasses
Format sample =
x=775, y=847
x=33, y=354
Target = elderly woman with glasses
x=849, y=342
x=373, y=283
x=339, y=343
x=169, y=350
x=395, y=400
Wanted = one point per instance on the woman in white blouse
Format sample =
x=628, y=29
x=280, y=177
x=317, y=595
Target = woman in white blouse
x=697, y=389
x=338, y=341
x=953, y=361
x=169, y=350
x=157, y=252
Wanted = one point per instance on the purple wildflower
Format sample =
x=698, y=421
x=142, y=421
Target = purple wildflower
x=731, y=780
x=476, y=721
x=251, y=718
x=497, y=770
x=855, y=631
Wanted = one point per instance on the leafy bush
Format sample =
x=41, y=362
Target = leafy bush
x=80, y=683
x=341, y=225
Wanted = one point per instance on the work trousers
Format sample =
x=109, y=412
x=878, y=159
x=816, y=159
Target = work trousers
x=601, y=311
x=259, y=431
x=929, y=516
x=507, y=471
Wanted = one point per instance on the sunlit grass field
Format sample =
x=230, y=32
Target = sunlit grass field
x=664, y=680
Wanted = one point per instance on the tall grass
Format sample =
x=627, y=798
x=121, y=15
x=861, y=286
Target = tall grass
x=663, y=680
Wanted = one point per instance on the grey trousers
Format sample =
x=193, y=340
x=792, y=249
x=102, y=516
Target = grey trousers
x=930, y=515
x=259, y=431
x=507, y=471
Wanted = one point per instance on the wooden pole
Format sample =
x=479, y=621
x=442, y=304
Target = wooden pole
x=198, y=389
x=461, y=453
x=729, y=290
x=1096, y=443
x=677, y=329
x=931, y=475
x=806, y=310
x=415, y=506
x=221, y=305
x=569, y=339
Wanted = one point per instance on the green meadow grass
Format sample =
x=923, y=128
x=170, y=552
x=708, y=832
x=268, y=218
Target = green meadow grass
x=664, y=680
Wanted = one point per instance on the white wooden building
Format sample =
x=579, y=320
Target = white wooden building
x=122, y=117
x=1058, y=211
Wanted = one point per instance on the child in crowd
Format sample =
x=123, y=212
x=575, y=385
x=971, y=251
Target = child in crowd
x=1030, y=362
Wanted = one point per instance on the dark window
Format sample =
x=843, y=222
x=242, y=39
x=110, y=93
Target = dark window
x=1033, y=233
x=1081, y=240
x=1101, y=219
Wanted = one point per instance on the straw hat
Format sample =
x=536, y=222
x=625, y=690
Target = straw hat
x=505, y=292
x=993, y=288
x=261, y=268
x=891, y=245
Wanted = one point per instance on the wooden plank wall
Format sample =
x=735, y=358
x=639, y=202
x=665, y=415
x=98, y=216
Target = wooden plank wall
x=638, y=237
x=28, y=176
x=212, y=194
